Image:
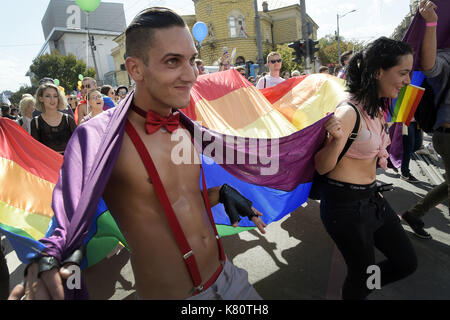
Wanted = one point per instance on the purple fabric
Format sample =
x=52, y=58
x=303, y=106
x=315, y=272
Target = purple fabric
x=89, y=159
x=295, y=154
x=395, y=149
x=415, y=32
x=94, y=147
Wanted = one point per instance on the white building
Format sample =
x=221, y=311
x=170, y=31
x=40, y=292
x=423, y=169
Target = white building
x=64, y=26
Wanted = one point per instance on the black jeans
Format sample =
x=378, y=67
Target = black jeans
x=359, y=220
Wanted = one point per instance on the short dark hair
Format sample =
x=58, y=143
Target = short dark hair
x=345, y=56
x=121, y=87
x=139, y=34
x=105, y=89
x=362, y=71
x=323, y=68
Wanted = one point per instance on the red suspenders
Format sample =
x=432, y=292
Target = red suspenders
x=188, y=254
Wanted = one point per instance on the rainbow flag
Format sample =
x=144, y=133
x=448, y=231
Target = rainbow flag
x=406, y=104
x=224, y=102
x=29, y=171
x=228, y=103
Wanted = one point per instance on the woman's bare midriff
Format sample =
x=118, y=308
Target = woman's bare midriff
x=356, y=171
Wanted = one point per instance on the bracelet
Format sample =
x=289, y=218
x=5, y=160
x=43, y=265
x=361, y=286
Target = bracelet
x=431, y=24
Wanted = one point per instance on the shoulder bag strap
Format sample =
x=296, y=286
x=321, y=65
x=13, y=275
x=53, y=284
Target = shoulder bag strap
x=354, y=133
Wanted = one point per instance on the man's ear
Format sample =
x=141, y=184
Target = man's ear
x=135, y=68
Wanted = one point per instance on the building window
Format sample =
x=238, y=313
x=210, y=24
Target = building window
x=236, y=24
x=232, y=25
x=241, y=27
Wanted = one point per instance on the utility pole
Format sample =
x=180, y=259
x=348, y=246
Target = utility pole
x=258, y=37
x=338, y=40
x=338, y=36
x=91, y=44
x=93, y=49
x=305, y=35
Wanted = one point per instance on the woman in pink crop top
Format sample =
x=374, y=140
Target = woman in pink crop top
x=352, y=209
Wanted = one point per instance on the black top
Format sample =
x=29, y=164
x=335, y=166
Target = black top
x=55, y=138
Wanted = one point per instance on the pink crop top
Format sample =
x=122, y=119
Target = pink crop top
x=372, y=139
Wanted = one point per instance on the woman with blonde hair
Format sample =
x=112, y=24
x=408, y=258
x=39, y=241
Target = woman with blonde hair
x=26, y=109
x=52, y=127
x=96, y=104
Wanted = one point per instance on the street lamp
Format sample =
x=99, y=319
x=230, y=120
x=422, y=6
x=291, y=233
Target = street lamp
x=338, y=38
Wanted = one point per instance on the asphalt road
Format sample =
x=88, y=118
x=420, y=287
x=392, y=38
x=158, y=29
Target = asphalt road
x=296, y=259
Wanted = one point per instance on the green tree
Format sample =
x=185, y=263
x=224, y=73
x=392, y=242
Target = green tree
x=287, y=56
x=328, y=46
x=64, y=68
x=17, y=96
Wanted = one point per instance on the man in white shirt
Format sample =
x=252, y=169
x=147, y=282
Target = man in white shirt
x=274, y=63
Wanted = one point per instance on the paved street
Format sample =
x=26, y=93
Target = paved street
x=297, y=259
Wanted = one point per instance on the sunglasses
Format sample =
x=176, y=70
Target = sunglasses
x=96, y=97
x=88, y=86
x=275, y=61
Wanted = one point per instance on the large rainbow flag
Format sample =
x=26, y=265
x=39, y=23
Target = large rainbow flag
x=224, y=102
x=28, y=173
x=228, y=103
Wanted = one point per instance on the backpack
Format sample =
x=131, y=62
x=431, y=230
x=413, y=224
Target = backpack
x=315, y=193
x=426, y=111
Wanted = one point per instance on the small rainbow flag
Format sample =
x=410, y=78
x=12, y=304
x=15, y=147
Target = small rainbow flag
x=406, y=104
x=233, y=54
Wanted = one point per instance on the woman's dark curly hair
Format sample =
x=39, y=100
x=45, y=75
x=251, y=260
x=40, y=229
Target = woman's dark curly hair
x=362, y=70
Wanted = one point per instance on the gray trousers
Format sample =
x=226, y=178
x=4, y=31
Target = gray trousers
x=441, y=143
x=232, y=284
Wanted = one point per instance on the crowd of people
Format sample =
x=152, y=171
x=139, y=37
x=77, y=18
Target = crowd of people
x=51, y=117
x=161, y=59
x=274, y=75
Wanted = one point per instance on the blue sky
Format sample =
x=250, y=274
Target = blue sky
x=22, y=37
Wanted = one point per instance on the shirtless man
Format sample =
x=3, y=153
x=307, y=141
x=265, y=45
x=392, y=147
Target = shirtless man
x=162, y=63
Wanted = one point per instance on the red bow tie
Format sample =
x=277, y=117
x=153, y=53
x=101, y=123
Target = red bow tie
x=154, y=121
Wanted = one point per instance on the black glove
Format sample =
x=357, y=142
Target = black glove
x=235, y=204
x=76, y=257
x=47, y=263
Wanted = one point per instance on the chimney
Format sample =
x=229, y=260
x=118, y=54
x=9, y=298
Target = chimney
x=265, y=6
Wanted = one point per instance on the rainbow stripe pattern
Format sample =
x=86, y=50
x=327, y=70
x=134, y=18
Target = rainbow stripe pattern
x=28, y=174
x=406, y=104
x=228, y=103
